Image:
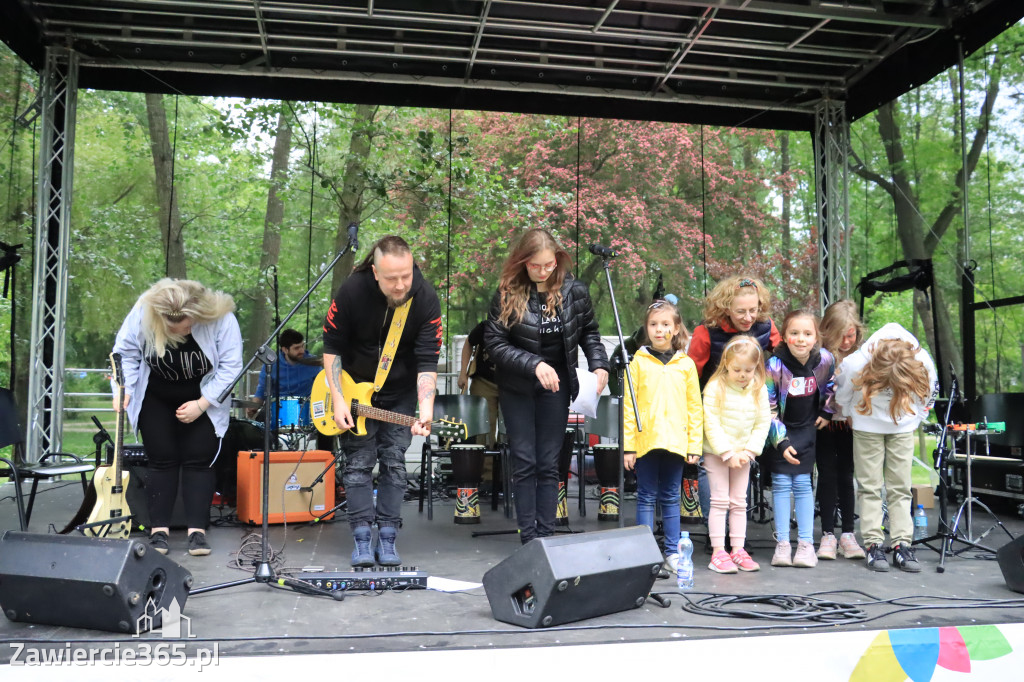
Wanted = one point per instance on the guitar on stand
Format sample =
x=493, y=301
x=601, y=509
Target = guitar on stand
x=110, y=517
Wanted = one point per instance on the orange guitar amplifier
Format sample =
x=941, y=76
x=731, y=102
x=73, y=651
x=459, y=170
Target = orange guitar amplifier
x=289, y=473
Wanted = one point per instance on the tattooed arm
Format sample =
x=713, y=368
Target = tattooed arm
x=426, y=387
x=342, y=415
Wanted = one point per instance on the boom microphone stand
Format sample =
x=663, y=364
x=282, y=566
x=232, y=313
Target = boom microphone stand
x=606, y=255
x=264, y=573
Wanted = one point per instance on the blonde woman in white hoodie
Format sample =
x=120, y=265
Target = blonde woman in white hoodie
x=886, y=388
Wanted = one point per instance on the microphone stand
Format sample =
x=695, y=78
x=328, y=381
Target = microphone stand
x=264, y=572
x=624, y=363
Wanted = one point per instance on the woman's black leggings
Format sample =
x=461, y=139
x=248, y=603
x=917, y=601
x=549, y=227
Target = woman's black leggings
x=535, y=425
x=177, y=450
x=834, y=458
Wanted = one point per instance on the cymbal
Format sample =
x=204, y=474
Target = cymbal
x=238, y=402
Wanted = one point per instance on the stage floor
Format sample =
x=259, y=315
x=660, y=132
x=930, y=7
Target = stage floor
x=264, y=620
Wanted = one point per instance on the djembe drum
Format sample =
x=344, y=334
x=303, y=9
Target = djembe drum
x=564, y=459
x=467, y=470
x=689, y=501
x=606, y=464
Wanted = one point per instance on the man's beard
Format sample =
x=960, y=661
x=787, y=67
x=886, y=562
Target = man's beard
x=395, y=302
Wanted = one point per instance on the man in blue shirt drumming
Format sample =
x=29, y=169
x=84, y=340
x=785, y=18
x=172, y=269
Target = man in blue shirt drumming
x=295, y=371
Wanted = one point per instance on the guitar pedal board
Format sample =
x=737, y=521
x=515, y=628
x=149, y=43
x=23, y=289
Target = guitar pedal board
x=400, y=577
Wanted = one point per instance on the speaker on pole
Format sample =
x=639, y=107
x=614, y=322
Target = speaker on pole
x=561, y=579
x=86, y=582
x=1011, y=563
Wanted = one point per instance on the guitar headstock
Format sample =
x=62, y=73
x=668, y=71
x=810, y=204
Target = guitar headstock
x=449, y=429
x=116, y=369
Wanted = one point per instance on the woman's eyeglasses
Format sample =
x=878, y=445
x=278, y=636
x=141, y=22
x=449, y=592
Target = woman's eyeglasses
x=547, y=267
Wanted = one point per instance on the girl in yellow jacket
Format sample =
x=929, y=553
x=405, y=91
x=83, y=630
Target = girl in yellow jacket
x=737, y=417
x=668, y=397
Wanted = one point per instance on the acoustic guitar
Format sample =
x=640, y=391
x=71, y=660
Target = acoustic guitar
x=357, y=395
x=110, y=516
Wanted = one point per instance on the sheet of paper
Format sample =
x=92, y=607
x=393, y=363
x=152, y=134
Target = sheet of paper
x=586, y=401
x=448, y=585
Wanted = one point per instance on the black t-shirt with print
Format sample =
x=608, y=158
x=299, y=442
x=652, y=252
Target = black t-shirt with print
x=185, y=364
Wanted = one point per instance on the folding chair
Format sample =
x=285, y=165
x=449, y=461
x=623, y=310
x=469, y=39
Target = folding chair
x=51, y=465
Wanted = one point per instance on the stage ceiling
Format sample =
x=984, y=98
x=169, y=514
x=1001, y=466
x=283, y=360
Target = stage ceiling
x=759, y=63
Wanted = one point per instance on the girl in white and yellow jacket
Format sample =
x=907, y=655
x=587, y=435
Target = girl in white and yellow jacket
x=668, y=398
x=737, y=416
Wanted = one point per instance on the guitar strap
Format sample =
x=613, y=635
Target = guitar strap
x=387, y=354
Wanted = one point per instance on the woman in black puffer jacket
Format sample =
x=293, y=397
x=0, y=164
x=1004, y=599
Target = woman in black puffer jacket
x=539, y=317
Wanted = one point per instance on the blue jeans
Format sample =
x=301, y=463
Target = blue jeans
x=800, y=487
x=658, y=477
x=384, y=443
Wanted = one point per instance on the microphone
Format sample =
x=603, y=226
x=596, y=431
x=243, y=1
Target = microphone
x=353, y=235
x=602, y=251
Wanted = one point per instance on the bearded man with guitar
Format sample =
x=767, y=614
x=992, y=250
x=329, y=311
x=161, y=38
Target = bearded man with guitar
x=382, y=332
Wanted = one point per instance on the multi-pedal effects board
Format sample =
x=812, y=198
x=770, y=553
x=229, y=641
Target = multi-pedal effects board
x=365, y=578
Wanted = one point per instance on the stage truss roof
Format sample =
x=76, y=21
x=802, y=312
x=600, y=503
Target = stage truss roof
x=761, y=63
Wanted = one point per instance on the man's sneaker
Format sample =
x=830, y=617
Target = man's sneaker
x=158, y=541
x=197, y=545
x=827, y=547
x=362, y=556
x=743, y=561
x=876, y=559
x=904, y=558
x=783, y=554
x=722, y=563
x=849, y=548
x=804, y=556
x=671, y=563
x=385, y=551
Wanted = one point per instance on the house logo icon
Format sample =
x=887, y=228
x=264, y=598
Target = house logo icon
x=173, y=625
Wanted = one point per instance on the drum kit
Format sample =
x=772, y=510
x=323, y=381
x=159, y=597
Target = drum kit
x=294, y=426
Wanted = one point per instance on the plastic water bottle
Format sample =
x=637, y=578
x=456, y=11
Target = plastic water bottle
x=920, y=523
x=684, y=572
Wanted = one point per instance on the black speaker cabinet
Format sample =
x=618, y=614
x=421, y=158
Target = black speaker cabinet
x=84, y=582
x=1011, y=563
x=565, y=578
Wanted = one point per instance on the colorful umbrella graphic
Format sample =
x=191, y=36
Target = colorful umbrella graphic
x=896, y=655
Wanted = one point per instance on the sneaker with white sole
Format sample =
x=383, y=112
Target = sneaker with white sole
x=849, y=548
x=804, y=556
x=671, y=563
x=904, y=558
x=827, y=547
x=721, y=562
x=876, y=559
x=197, y=544
x=743, y=560
x=783, y=554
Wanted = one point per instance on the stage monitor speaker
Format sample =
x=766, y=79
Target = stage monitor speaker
x=1011, y=563
x=565, y=578
x=290, y=474
x=85, y=582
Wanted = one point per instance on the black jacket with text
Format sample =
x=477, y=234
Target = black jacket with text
x=515, y=350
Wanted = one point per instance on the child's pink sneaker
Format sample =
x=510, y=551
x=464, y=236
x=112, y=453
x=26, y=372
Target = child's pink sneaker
x=721, y=563
x=743, y=560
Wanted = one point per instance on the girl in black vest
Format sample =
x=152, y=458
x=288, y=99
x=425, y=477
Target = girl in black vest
x=539, y=316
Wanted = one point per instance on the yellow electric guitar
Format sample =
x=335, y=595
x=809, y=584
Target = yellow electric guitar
x=321, y=410
x=110, y=516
